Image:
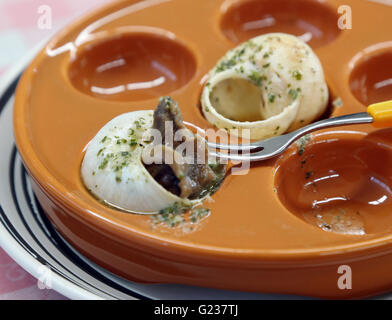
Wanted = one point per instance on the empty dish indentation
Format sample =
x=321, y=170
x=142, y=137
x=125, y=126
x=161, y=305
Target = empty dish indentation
x=371, y=79
x=312, y=21
x=339, y=184
x=132, y=67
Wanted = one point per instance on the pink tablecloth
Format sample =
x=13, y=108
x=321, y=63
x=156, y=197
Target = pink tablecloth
x=21, y=29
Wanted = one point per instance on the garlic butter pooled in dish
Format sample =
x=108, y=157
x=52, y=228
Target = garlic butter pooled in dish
x=114, y=171
x=270, y=84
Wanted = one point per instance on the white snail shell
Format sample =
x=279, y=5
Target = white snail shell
x=113, y=171
x=270, y=84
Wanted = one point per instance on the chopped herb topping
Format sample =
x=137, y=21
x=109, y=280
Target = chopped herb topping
x=302, y=142
x=294, y=93
x=297, y=75
x=133, y=143
x=176, y=208
x=100, y=151
x=172, y=215
x=226, y=64
x=271, y=98
x=176, y=215
x=256, y=78
x=120, y=141
x=103, y=164
x=198, y=214
x=137, y=124
x=251, y=44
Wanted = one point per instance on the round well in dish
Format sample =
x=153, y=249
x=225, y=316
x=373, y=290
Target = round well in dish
x=312, y=21
x=338, y=185
x=132, y=66
x=251, y=242
x=371, y=79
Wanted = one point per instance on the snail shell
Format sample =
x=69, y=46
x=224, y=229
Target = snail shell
x=113, y=170
x=271, y=84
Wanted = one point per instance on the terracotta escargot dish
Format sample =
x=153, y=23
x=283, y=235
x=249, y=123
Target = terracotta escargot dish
x=112, y=119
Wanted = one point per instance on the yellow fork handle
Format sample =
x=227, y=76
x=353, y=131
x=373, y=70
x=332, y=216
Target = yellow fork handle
x=381, y=114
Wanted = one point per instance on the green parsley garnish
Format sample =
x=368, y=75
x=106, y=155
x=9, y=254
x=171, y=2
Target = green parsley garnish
x=256, y=78
x=226, y=64
x=297, y=75
x=302, y=142
x=294, y=93
x=100, y=151
x=103, y=164
x=198, y=214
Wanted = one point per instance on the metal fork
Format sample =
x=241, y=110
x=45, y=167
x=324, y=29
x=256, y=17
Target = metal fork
x=266, y=149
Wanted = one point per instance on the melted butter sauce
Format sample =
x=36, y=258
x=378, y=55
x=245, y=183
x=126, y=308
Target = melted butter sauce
x=340, y=185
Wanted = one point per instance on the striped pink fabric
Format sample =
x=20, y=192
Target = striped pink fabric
x=19, y=32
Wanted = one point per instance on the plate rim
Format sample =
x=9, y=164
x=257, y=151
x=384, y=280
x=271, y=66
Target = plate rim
x=7, y=241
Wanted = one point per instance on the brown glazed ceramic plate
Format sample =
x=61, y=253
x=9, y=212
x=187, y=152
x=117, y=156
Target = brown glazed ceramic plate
x=264, y=233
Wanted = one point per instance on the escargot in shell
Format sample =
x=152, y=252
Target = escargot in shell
x=115, y=171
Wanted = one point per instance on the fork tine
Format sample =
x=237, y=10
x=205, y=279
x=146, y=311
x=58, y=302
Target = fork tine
x=235, y=147
x=274, y=146
x=245, y=157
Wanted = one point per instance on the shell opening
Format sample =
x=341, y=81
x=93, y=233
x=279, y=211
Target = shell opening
x=265, y=87
x=237, y=99
x=182, y=166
